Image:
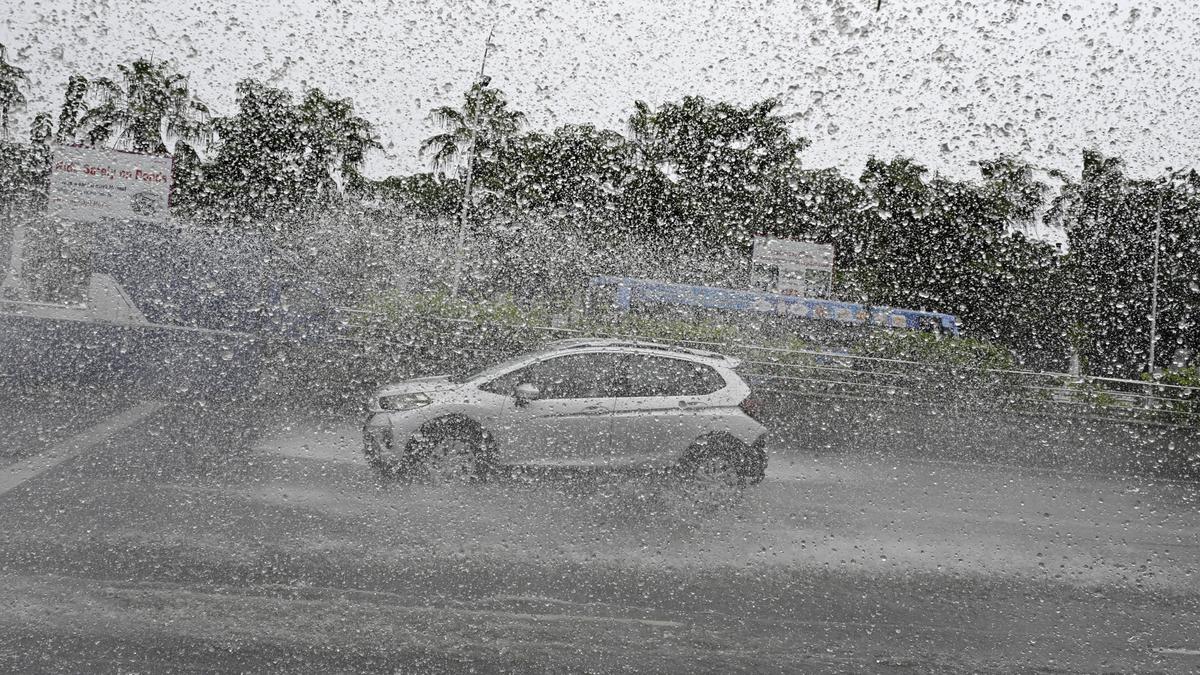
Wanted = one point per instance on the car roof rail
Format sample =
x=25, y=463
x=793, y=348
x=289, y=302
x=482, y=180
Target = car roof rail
x=580, y=343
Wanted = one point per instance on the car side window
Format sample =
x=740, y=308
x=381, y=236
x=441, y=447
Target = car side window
x=648, y=375
x=564, y=377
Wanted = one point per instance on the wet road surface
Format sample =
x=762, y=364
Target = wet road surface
x=219, y=538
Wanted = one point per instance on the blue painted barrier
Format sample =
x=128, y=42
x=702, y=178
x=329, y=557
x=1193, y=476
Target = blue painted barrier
x=631, y=292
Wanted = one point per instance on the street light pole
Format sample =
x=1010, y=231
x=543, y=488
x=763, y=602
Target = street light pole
x=465, y=208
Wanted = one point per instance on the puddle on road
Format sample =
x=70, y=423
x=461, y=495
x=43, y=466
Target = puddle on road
x=837, y=512
x=342, y=443
x=331, y=443
x=1176, y=651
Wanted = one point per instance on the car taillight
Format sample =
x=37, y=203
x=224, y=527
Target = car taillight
x=752, y=407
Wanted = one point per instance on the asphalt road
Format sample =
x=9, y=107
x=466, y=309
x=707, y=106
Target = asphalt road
x=205, y=537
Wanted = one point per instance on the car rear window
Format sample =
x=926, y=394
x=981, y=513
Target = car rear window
x=664, y=376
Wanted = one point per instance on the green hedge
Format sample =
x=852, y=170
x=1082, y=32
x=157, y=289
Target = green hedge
x=934, y=349
x=443, y=331
x=1184, y=401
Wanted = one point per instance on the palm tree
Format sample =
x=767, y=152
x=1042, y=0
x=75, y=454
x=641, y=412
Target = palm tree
x=73, y=107
x=484, y=123
x=41, y=129
x=149, y=107
x=12, y=98
x=337, y=139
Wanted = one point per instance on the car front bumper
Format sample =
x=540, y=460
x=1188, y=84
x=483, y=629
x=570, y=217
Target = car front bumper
x=386, y=434
x=377, y=439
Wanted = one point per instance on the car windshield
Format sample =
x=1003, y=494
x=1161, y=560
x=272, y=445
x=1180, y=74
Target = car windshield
x=374, y=336
x=477, y=370
x=472, y=373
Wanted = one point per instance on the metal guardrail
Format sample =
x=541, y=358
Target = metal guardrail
x=881, y=379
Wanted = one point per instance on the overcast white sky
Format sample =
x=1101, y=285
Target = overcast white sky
x=944, y=81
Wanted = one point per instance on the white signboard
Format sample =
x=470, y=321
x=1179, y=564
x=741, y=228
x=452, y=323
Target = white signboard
x=800, y=268
x=802, y=283
x=90, y=184
x=788, y=254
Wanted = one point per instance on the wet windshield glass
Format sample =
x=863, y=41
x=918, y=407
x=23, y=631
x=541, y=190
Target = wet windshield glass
x=847, y=336
x=471, y=374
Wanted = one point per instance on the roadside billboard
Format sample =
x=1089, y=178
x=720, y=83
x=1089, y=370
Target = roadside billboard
x=801, y=268
x=94, y=184
x=787, y=252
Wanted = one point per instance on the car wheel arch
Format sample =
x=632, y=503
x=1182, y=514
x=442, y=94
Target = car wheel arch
x=749, y=458
x=456, y=422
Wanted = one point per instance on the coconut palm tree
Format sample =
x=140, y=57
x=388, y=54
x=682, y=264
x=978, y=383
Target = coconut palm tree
x=337, y=140
x=41, y=129
x=147, y=111
x=73, y=107
x=483, y=124
x=12, y=98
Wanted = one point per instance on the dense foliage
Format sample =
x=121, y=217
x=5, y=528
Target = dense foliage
x=695, y=174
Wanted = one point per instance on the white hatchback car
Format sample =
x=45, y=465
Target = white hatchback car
x=576, y=403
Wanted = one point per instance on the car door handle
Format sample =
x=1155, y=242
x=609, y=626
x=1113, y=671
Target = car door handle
x=690, y=404
x=595, y=408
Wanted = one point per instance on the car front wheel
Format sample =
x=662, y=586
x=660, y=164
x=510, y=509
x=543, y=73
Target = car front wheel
x=449, y=449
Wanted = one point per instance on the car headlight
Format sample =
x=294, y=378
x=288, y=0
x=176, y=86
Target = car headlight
x=403, y=401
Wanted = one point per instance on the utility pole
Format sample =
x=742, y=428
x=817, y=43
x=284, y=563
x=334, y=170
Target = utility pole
x=1154, y=281
x=1154, y=286
x=465, y=210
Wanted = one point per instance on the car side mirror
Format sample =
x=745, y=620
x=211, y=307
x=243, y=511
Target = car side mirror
x=526, y=392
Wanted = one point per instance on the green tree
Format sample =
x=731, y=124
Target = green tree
x=482, y=125
x=337, y=141
x=827, y=207
x=36, y=167
x=1018, y=194
x=424, y=194
x=1110, y=222
x=254, y=170
x=719, y=162
x=961, y=247
x=901, y=244
x=189, y=190
x=146, y=110
x=19, y=165
x=73, y=108
x=41, y=130
x=575, y=167
x=276, y=158
x=12, y=98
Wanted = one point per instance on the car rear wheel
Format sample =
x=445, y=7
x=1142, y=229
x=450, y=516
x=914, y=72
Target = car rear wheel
x=724, y=460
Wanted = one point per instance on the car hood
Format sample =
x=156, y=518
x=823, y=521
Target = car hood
x=420, y=384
